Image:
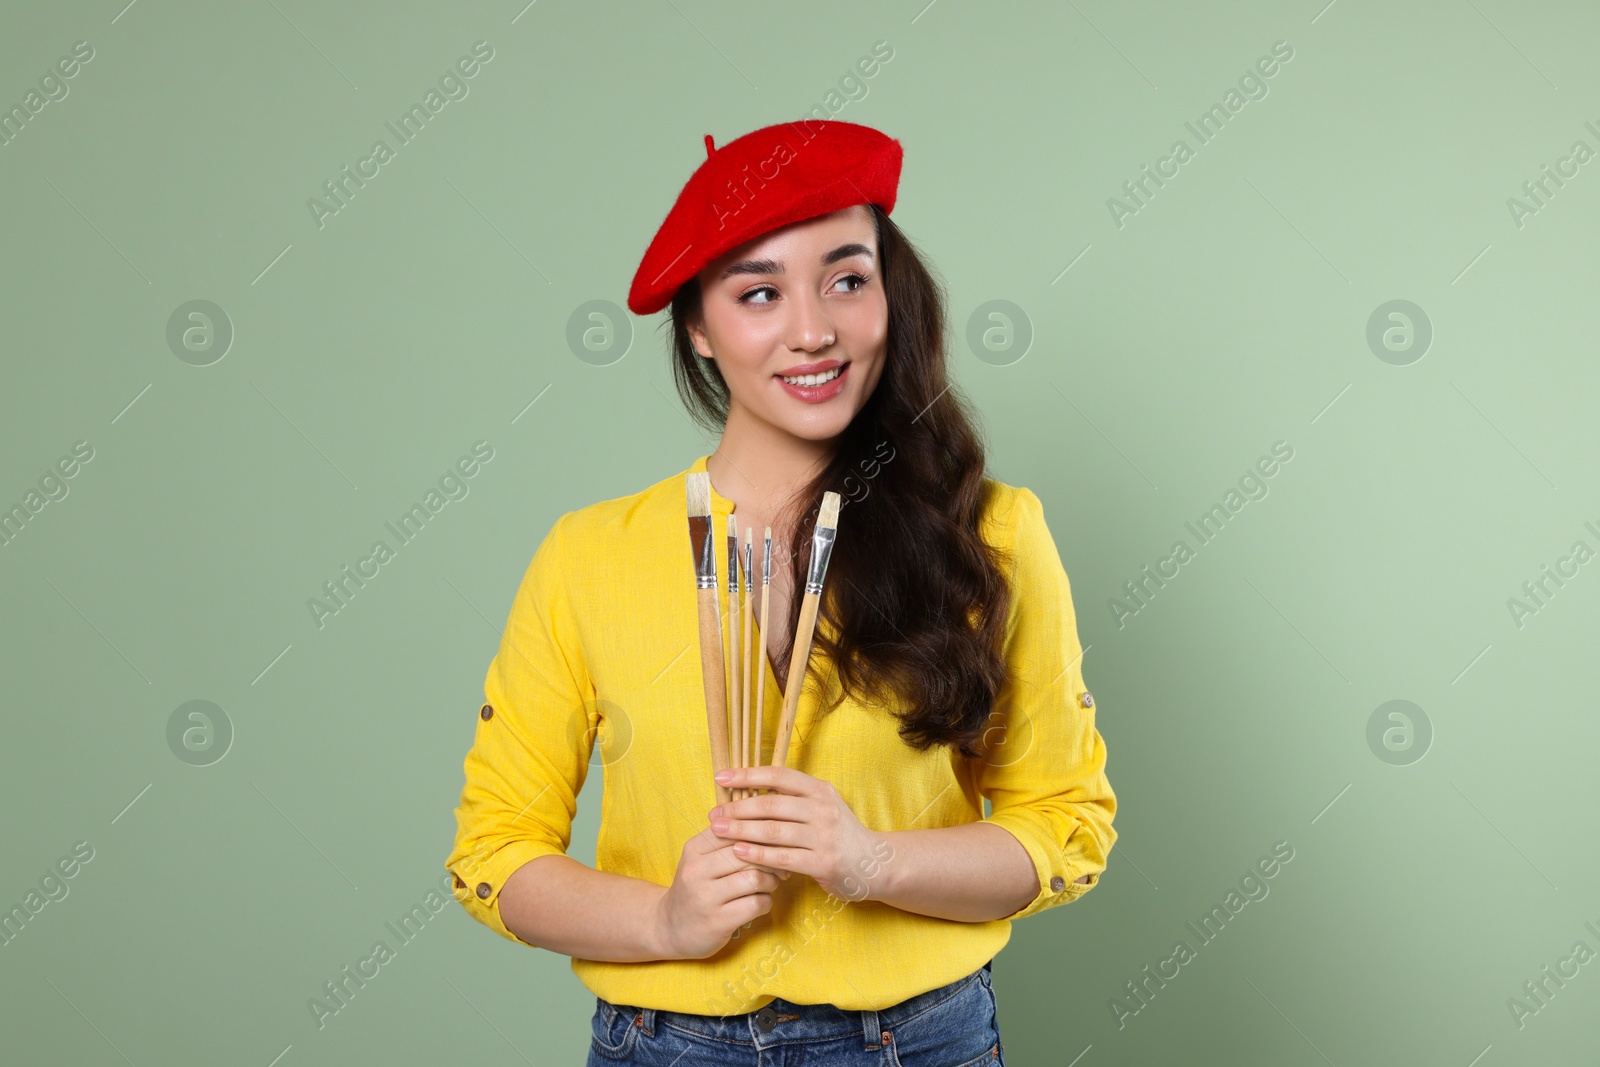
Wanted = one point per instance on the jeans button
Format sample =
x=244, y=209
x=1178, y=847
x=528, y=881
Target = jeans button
x=766, y=1019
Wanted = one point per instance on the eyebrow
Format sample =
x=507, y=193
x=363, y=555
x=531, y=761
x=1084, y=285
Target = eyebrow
x=772, y=266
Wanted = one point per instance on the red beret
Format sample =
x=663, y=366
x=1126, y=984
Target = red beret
x=750, y=186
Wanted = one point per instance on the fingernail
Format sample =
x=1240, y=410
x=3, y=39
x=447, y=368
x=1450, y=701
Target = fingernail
x=723, y=777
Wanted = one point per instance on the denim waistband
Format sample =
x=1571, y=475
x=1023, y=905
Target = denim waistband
x=783, y=1021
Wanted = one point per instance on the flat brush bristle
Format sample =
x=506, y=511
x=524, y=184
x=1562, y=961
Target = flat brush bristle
x=699, y=492
x=828, y=517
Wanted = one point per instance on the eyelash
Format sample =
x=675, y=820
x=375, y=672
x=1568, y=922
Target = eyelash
x=862, y=278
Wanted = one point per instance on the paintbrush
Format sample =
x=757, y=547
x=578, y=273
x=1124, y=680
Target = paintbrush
x=745, y=747
x=705, y=580
x=821, y=548
x=735, y=660
x=761, y=662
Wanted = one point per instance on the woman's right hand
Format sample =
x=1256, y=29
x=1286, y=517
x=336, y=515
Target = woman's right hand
x=713, y=893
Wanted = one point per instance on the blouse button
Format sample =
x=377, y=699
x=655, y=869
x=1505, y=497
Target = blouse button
x=1087, y=699
x=486, y=713
x=1057, y=884
x=484, y=890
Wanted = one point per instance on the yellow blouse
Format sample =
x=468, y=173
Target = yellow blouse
x=602, y=645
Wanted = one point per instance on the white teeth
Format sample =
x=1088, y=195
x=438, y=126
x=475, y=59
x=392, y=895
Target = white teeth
x=815, y=379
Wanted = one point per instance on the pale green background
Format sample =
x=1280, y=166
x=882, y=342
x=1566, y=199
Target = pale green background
x=1226, y=315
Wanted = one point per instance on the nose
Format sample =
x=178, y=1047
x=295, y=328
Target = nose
x=810, y=328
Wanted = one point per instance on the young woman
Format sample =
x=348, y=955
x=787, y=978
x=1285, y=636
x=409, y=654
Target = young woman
x=849, y=911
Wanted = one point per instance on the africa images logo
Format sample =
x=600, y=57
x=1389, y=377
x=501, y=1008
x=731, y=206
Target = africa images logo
x=1252, y=888
x=1252, y=84
x=1252, y=486
x=453, y=85
x=343, y=587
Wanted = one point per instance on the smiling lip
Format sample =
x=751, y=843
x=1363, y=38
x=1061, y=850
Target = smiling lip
x=817, y=394
x=810, y=368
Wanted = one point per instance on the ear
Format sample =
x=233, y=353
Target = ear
x=697, y=337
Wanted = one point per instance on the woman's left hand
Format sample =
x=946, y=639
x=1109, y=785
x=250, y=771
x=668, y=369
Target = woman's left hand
x=802, y=826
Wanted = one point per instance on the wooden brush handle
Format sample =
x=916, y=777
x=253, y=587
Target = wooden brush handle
x=798, y=661
x=735, y=672
x=748, y=665
x=716, y=685
x=761, y=676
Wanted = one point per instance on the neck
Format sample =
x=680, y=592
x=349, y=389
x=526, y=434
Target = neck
x=758, y=466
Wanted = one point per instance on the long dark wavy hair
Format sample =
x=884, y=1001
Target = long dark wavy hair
x=917, y=598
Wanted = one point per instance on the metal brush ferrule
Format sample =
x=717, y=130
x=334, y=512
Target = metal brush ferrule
x=821, y=549
x=733, y=564
x=766, y=562
x=749, y=575
x=705, y=564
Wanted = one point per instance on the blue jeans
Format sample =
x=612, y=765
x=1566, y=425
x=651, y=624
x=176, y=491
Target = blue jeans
x=955, y=1025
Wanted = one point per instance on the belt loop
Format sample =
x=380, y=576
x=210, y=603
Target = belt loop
x=647, y=1021
x=869, y=1029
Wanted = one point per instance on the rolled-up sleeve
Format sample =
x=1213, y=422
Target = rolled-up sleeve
x=1044, y=767
x=530, y=754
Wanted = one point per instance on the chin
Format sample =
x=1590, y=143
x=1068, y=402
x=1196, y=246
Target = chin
x=817, y=430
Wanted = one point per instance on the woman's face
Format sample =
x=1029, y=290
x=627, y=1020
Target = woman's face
x=805, y=299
